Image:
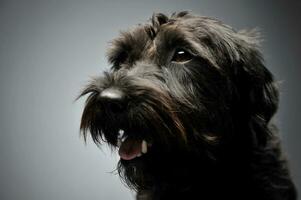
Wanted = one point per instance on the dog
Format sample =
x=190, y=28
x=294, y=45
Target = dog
x=188, y=104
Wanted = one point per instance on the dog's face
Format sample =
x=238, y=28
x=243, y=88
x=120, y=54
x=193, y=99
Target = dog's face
x=178, y=87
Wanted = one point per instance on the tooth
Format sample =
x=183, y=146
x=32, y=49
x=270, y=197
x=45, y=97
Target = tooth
x=144, y=147
x=123, y=138
x=120, y=133
x=139, y=155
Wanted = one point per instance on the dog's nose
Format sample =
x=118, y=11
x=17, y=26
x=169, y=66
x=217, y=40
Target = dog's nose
x=114, y=100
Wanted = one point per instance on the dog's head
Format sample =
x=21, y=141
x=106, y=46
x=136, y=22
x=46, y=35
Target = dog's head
x=179, y=86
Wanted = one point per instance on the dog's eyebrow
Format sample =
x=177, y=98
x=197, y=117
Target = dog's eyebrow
x=169, y=36
x=116, y=54
x=128, y=46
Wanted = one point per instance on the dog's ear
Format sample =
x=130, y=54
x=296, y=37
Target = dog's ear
x=256, y=90
x=158, y=19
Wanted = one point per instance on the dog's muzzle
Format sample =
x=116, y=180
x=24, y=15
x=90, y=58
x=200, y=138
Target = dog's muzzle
x=115, y=102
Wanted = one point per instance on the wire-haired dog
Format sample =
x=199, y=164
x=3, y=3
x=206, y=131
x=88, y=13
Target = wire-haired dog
x=188, y=102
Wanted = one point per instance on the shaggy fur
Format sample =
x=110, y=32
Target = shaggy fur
x=208, y=118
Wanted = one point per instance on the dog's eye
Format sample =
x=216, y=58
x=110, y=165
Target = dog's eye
x=181, y=55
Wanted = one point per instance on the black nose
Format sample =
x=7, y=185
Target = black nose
x=114, y=100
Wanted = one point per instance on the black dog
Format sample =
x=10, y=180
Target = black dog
x=188, y=103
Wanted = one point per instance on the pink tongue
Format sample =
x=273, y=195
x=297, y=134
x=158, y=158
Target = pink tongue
x=130, y=149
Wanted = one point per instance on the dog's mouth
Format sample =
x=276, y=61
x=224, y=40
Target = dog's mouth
x=131, y=148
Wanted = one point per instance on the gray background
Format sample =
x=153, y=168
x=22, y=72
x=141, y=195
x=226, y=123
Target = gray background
x=48, y=51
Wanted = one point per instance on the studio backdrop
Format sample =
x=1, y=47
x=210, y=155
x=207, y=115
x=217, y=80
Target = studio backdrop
x=50, y=49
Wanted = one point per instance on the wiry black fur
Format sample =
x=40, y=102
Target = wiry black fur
x=209, y=119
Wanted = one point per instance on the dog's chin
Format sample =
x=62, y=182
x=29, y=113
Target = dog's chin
x=137, y=161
